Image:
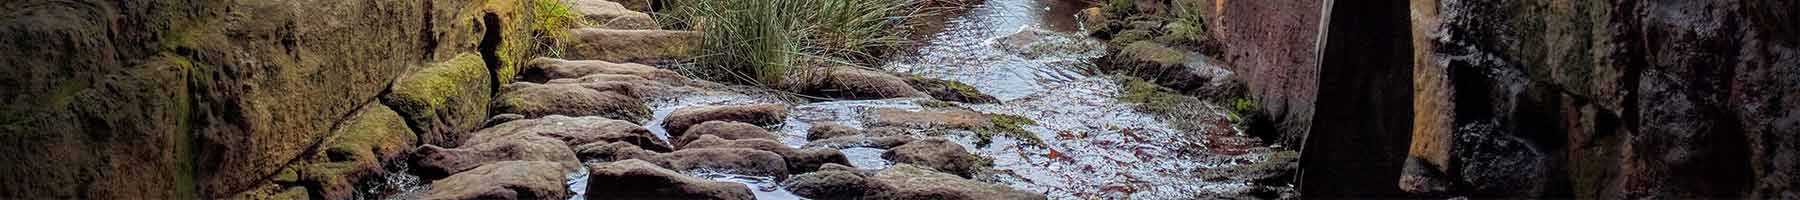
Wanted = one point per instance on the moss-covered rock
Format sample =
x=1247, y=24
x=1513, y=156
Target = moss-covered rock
x=445, y=100
x=949, y=90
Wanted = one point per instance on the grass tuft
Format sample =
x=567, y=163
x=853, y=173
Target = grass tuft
x=551, y=23
x=763, y=41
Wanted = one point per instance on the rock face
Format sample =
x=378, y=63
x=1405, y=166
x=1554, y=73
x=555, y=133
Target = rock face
x=1605, y=99
x=1274, y=46
x=506, y=180
x=356, y=151
x=637, y=179
x=757, y=114
x=207, y=99
x=573, y=99
x=632, y=46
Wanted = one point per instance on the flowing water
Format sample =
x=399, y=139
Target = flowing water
x=1031, y=56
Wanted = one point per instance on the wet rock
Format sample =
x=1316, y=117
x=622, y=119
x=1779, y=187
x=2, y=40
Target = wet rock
x=1174, y=68
x=539, y=100
x=507, y=180
x=914, y=182
x=631, y=46
x=883, y=142
x=733, y=160
x=357, y=150
x=798, y=161
x=545, y=69
x=638, y=179
x=725, y=130
x=950, y=118
x=758, y=114
x=835, y=181
x=431, y=161
x=612, y=15
x=938, y=153
x=444, y=100
x=616, y=151
x=856, y=83
x=824, y=130
x=574, y=131
x=948, y=90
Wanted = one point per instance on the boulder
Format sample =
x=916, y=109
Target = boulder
x=542, y=70
x=856, y=83
x=949, y=118
x=611, y=15
x=901, y=181
x=431, y=161
x=949, y=90
x=733, y=160
x=798, y=161
x=574, y=131
x=633, y=46
x=1177, y=69
x=725, y=130
x=825, y=130
x=638, y=179
x=940, y=154
x=914, y=182
x=834, y=181
x=604, y=100
x=883, y=142
x=444, y=100
x=616, y=151
x=759, y=114
x=356, y=151
x=506, y=180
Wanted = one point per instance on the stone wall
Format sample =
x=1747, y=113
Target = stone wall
x=1605, y=99
x=212, y=99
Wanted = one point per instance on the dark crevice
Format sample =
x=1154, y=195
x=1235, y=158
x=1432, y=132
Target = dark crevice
x=490, y=43
x=426, y=33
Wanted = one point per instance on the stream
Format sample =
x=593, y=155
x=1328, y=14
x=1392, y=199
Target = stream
x=1031, y=55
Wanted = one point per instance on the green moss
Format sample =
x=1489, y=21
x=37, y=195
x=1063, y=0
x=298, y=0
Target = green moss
x=292, y=193
x=933, y=103
x=421, y=93
x=1148, y=94
x=1011, y=125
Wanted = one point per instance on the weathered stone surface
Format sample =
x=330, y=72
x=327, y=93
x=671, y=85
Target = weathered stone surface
x=951, y=118
x=1183, y=71
x=637, y=179
x=735, y=160
x=914, y=182
x=544, y=69
x=758, y=114
x=938, y=153
x=857, y=83
x=632, y=46
x=725, y=130
x=798, y=161
x=375, y=135
x=948, y=90
x=616, y=151
x=612, y=15
x=431, y=161
x=204, y=99
x=507, y=180
x=902, y=181
x=1273, y=46
x=574, y=131
x=444, y=100
x=826, y=129
x=577, y=99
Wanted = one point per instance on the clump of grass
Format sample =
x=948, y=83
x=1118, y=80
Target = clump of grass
x=551, y=22
x=763, y=41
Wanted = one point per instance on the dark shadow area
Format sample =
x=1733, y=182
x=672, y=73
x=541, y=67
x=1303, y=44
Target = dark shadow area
x=1362, y=122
